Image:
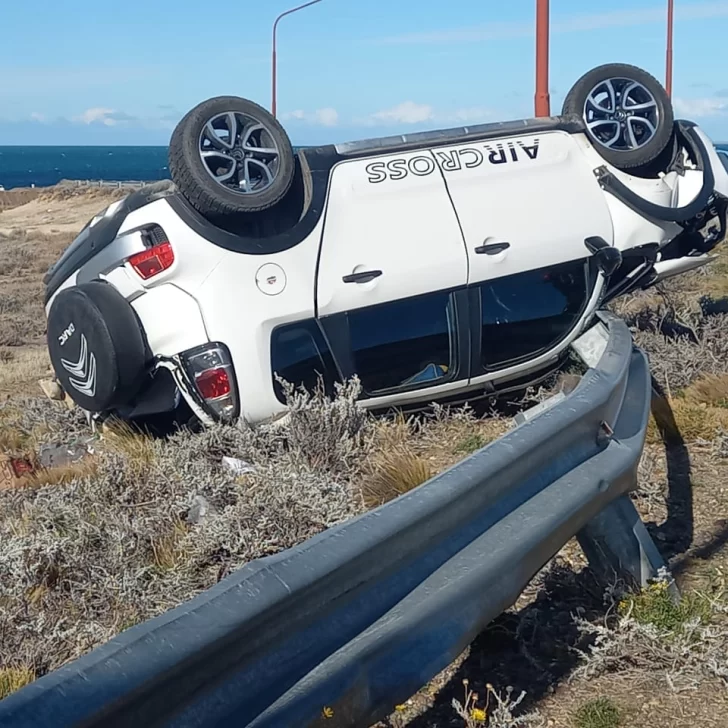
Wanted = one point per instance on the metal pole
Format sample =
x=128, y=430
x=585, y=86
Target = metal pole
x=274, y=80
x=542, y=100
x=668, y=60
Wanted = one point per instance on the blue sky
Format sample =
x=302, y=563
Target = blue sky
x=83, y=72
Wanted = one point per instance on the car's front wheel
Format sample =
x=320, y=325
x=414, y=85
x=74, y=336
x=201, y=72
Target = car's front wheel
x=627, y=114
x=229, y=156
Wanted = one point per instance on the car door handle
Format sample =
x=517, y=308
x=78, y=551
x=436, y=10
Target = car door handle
x=492, y=248
x=362, y=277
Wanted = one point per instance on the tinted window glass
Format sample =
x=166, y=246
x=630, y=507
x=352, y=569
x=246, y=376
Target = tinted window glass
x=404, y=344
x=300, y=355
x=524, y=314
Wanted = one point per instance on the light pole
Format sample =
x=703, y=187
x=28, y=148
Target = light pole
x=668, y=60
x=542, y=100
x=275, y=28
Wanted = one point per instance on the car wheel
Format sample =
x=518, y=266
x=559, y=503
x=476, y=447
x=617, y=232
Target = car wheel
x=96, y=346
x=627, y=114
x=229, y=156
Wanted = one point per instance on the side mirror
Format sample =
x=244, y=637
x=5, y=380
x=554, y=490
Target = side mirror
x=608, y=258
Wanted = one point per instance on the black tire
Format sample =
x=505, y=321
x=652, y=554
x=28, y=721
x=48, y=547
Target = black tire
x=620, y=155
x=195, y=181
x=93, y=327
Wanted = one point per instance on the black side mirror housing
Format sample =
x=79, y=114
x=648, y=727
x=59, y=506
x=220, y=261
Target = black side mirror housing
x=608, y=258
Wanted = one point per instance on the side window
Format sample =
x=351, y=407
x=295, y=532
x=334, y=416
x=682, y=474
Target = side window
x=300, y=355
x=406, y=344
x=526, y=314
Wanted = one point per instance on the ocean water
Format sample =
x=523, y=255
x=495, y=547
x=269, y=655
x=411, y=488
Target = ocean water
x=43, y=166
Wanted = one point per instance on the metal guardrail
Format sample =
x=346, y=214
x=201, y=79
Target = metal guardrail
x=358, y=618
x=135, y=184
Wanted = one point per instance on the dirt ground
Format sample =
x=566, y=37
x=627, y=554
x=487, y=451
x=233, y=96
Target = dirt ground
x=89, y=549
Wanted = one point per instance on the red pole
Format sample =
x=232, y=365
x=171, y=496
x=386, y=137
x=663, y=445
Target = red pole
x=274, y=65
x=668, y=61
x=543, y=100
x=274, y=60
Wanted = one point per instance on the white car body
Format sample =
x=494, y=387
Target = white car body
x=416, y=209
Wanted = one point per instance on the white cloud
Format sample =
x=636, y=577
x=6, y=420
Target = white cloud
x=464, y=116
x=408, y=112
x=327, y=117
x=101, y=115
x=568, y=24
x=697, y=108
x=321, y=117
x=96, y=114
x=37, y=116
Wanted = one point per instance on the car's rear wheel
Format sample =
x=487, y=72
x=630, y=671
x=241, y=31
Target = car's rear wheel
x=626, y=111
x=229, y=156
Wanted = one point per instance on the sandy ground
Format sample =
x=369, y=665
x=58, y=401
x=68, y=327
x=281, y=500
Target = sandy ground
x=63, y=211
x=32, y=236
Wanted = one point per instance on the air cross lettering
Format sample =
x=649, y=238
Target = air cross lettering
x=454, y=160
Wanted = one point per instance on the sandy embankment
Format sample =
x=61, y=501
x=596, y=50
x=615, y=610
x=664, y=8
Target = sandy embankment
x=36, y=225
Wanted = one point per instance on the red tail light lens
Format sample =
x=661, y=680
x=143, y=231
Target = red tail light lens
x=153, y=261
x=210, y=369
x=213, y=383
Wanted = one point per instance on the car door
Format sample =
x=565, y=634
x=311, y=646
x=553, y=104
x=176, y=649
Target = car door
x=392, y=277
x=526, y=204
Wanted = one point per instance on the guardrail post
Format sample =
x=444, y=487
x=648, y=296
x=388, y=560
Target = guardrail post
x=617, y=544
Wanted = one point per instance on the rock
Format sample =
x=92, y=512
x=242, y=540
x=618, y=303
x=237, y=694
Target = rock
x=239, y=467
x=51, y=389
x=199, y=510
x=56, y=456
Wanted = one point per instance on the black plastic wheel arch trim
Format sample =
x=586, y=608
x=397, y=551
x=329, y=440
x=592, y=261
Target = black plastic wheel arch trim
x=696, y=147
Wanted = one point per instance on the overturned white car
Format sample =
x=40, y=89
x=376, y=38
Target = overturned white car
x=443, y=265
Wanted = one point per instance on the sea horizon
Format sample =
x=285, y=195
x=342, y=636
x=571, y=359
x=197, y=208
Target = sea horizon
x=45, y=165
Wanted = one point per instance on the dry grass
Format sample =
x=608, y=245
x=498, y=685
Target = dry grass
x=393, y=473
x=12, y=679
x=145, y=524
x=686, y=645
x=696, y=421
x=118, y=538
x=21, y=368
x=23, y=262
x=710, y=390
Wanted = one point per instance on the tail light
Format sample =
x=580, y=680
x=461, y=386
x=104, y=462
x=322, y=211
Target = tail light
x=155, y=259
x=211, y=371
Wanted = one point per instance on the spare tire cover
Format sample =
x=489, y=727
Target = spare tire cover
x=96, y=346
